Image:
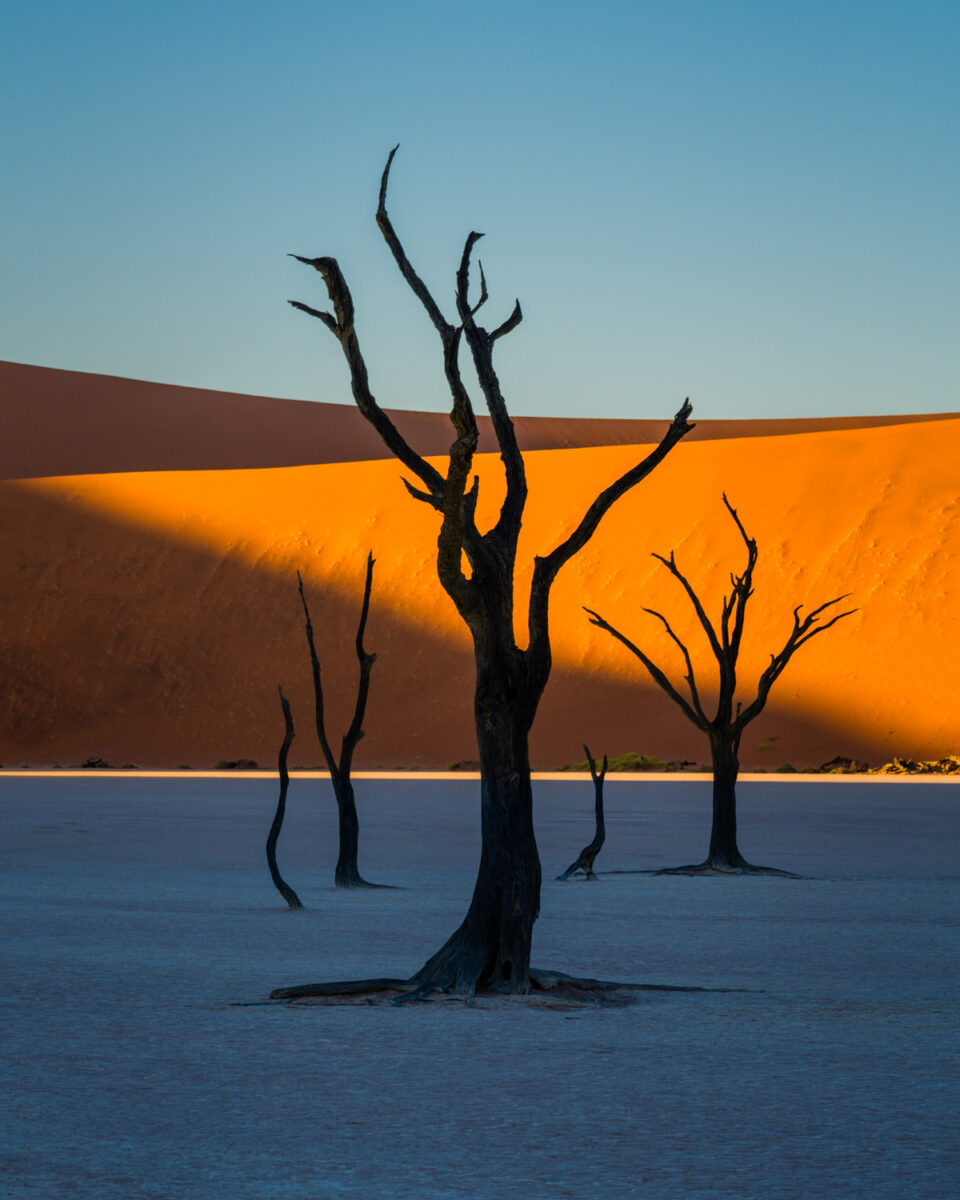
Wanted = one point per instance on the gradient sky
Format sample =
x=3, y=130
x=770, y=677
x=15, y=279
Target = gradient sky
x=755, y=204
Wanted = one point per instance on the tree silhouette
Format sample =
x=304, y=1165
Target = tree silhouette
x=284, y=888
x=347, y=873
x=585, y=859
x=726, y=727
x=491, y=947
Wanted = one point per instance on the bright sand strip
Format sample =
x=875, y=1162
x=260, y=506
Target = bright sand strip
x=166, y=609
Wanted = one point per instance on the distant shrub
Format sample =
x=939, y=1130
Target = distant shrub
x=630, y=761
x=785, y=769
x=240, y=764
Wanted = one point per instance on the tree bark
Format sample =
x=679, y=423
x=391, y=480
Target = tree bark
x=724, y=853
x=491, y=947
x=587, y=856
x=284, y=888
x=347, y=874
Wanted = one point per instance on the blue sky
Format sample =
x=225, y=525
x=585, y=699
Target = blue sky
x=755, y=204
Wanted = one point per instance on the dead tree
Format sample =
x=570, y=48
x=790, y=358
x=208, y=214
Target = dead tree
x=584, y=862
x=284, y=888
x=726, y=727
x=347, y=874
x=491, y=948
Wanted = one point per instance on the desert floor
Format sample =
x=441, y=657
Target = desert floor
x=139, y=922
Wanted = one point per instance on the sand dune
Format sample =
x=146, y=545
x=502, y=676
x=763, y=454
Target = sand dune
x=148, y=617
x=70, y=423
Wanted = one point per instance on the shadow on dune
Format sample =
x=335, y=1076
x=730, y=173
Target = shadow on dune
x=123, y=644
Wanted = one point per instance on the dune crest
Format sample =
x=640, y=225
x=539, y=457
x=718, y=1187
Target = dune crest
x=56, y=422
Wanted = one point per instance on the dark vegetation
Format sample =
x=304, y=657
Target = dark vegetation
x=725, y=728
x=585, y=859
x=491, y=948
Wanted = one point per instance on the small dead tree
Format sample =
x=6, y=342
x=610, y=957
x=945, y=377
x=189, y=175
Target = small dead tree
x=726, y=727
x=491, y=947
x=584, y=861
x=347, y=874
x=285, y=890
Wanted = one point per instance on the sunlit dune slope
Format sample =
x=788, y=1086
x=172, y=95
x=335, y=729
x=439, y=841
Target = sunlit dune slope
x=150, y=617
x=71, y=423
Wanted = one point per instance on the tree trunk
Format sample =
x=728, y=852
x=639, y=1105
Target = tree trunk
x=491, y=948
x=347, y=874
x=724, y=852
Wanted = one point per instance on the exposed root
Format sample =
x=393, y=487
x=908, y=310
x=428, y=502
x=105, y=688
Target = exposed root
x=551, y=989
x=580, y=867
x=357, y=883
x=714, y=868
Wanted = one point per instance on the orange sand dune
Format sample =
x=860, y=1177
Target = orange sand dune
x=69, y=423
x=149, y=617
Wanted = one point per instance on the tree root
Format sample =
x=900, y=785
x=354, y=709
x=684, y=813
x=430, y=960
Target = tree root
x=358, y=884
x=547, y=988
x=708, y=868
x=712, y=868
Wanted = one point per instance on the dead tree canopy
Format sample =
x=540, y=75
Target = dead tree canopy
x=725, y=727
x=491, y=948
x=347, y=873
x=587, y=856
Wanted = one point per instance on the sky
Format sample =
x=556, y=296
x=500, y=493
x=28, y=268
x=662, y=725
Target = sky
x=753, y=204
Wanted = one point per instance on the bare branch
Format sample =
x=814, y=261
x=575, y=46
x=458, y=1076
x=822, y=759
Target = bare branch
x=823, y=628
x=507, y=529
x=426, y=497
x=345, y=333
x=545, y=569
x=748, y=541
x=317, y=683
x=691, y=682
x=509, y=324
x=484, y=296
x=801, y=633
x=327, y=318
x=417, y=286
x=587, y=856
x=655, y=673
x=285, y=890
x=671, y=565
x=355, y=732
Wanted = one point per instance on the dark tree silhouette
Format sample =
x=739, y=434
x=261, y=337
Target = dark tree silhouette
x=347, y=874
x=285, y=890
x=491, y=948
x=726, y=727
x=585, y=860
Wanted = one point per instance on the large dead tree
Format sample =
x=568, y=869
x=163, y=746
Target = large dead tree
x=491, y=948
x=725, y=728
x=347, y=873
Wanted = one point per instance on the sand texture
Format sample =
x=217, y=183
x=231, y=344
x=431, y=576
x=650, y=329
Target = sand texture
x=147, y=616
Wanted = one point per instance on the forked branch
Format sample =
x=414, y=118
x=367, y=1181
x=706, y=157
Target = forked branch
x=355, y=731
x=545, y=569
x=587, y=856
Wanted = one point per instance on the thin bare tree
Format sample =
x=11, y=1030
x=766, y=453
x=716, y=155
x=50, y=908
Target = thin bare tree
x=491, y=947
x=725, y=728
x=284, y=888
x=347, y=873
x=585, y=860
